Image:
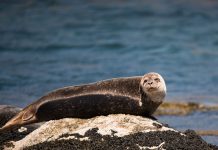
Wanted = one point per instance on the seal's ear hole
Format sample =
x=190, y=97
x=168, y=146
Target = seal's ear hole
x=27, y=115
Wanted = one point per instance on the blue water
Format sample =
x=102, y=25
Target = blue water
x=195, y=121
x=46, y=45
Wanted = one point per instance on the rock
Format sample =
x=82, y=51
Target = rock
x=183, y=108
x=108, y=132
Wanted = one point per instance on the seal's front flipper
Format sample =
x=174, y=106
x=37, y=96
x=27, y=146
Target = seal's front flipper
x=153, y=118
x=150, y=117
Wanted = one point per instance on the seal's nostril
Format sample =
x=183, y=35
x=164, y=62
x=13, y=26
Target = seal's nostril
x=150, y=83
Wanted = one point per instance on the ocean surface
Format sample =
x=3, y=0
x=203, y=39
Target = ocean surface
x=50, y=44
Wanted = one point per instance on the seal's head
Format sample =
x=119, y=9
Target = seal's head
x=153, y=85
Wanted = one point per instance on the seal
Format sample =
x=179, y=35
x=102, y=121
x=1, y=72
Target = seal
x=138, y=95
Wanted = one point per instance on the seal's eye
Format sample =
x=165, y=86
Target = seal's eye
x=157, y=79
x=145, y=81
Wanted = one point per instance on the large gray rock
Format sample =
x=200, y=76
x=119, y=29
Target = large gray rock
x=108, y=132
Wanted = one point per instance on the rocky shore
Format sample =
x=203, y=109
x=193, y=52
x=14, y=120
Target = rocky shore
x=116, y=131
x=183, y=108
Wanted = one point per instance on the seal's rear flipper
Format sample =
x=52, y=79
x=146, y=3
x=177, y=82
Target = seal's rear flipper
x=26, y=116
x=6, y=128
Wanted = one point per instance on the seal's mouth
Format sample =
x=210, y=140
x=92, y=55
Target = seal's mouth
x=151, y=89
